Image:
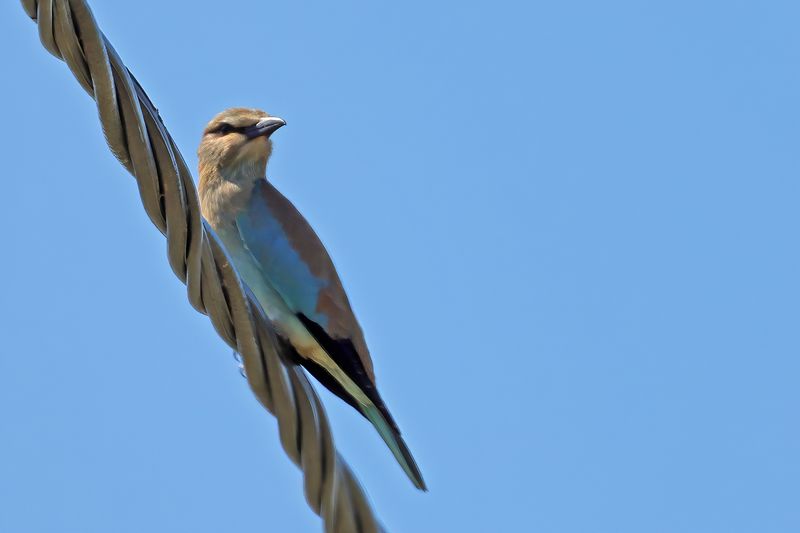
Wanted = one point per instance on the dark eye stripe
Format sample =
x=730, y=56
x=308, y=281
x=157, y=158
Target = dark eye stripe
x=226, y=128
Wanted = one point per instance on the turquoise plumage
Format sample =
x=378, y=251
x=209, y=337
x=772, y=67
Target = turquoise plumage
x=280, y=263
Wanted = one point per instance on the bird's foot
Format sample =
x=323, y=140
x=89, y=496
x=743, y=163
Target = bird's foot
x=238, y=357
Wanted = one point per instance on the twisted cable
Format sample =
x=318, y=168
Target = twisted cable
x=138, y=138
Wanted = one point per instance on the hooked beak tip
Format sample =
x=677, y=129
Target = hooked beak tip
x=265, y=127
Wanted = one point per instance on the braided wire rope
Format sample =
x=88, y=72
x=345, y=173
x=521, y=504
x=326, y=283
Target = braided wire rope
x=138, y=138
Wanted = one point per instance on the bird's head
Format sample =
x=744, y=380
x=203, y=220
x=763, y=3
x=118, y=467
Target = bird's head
x=236, y=144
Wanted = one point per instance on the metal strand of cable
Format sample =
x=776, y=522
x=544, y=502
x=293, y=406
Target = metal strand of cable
x=138, y=138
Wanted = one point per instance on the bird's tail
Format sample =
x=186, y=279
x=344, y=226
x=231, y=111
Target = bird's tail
x=391, y=436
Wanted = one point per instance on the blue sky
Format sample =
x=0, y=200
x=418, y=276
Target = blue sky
x=569, y=231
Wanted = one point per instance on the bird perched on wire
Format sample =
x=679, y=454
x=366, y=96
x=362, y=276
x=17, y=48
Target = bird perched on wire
x=281, y=259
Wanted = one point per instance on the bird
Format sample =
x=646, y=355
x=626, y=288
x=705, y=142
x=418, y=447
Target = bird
x=281, y=259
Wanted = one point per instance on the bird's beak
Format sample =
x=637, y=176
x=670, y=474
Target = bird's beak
x=265, y=127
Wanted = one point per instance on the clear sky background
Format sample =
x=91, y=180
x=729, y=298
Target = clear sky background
x=570, y=231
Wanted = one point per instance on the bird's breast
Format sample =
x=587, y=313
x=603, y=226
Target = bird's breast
x=222, y=200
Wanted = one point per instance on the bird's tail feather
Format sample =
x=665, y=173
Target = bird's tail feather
x=395, y=442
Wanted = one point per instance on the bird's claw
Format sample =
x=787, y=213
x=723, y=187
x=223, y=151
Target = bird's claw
x=238, y=357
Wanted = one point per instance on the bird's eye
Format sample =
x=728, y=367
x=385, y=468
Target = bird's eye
x=224, y=129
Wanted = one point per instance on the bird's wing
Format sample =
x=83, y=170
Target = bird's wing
x=298, y=266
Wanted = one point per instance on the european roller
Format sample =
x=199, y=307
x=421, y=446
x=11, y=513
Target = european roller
x=285, y=265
